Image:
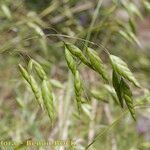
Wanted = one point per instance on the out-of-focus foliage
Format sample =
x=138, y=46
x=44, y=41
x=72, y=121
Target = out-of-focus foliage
x=37, y=30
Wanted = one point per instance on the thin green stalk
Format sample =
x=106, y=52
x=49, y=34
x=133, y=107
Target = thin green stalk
x=100, y=134
x=93, y=21
x=66, y=104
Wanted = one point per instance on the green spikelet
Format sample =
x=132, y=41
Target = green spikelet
x=78, y=89
x=30, y=65
x=122, y=69
x=77, y=83
x=129, y=103
x=33, y=85
x=75, y=51
x=48, y=100
x=40, y=71
x=70, y=61
x=116, y=84
x=127, y=95
x=24, y=73
x=96, y=63
x=36, y=91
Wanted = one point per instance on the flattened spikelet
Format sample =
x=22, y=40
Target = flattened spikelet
x=70, y=61
x=78, y=89
x=48, y=100
x=127, y=95
x=75, y=51
x=116, y=84
x=122, y=69
x=36, y=91
x=97, y=63
x=24, y=73
x=40, y=71
x=33, y=85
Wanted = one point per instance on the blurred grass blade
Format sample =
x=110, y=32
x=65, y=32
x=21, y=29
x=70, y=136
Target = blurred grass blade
x=49, y=9
x=37, y=29
x=132, y=8
x=87, y=110
x=146, y=4
x=134, y=38
x=132, y=25
x=6, y=11
x=125, y=35
x=56, y=83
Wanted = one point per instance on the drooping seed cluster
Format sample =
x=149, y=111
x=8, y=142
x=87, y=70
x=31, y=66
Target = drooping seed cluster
x=44, y=94
x=121, y=72
x=93, y=61
x=32, y=83
x=77, y=82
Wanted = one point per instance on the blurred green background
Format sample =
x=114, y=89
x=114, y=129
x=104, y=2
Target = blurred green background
x=35, y=29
